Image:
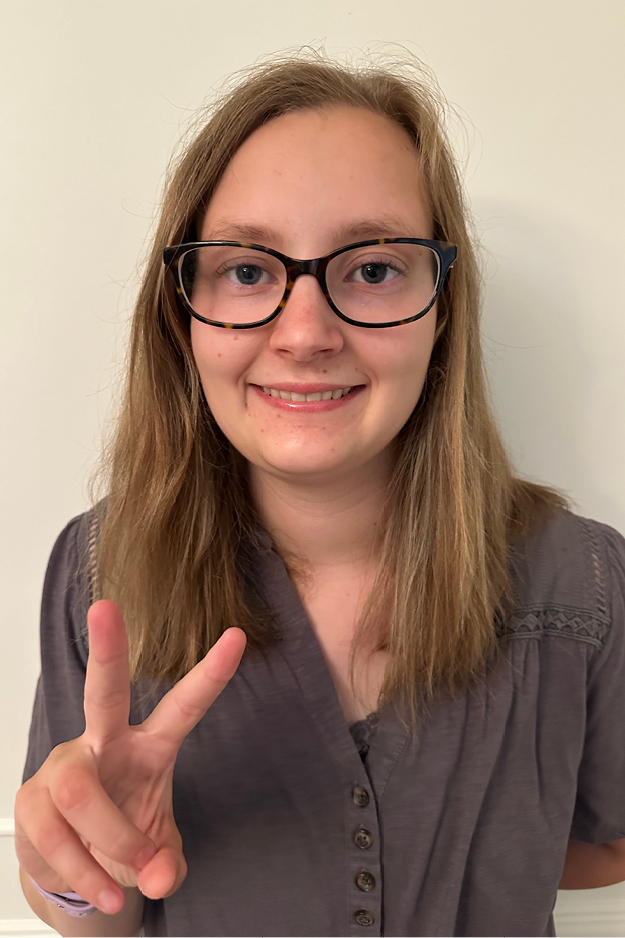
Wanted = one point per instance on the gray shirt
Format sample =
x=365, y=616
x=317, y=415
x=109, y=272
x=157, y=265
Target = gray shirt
x=293, y=825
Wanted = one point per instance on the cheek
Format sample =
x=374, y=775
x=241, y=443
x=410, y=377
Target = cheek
x=220, y=355
x=403, y=357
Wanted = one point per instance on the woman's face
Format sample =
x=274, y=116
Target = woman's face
x=308, y=183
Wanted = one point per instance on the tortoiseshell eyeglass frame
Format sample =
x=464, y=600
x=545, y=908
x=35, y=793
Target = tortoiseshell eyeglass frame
x=172, y=257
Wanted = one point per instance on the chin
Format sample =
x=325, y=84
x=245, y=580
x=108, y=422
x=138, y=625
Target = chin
x=303, y=467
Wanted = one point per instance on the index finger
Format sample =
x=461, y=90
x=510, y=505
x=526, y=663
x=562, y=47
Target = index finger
x=107, y=684
x=186, y=703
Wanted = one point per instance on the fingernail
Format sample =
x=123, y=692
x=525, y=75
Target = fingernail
x=110, y=902
x=144, y=857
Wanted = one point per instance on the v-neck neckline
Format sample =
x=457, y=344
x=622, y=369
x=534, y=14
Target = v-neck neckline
x=304, y=657
x=370, y=719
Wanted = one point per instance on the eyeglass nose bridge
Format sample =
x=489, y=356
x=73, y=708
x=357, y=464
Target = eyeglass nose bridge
x=294, y=269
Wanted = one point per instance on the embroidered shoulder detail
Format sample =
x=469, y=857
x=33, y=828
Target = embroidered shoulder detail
x=591, y=535
x=562, y=578
x=558, y=620
x=92, y=567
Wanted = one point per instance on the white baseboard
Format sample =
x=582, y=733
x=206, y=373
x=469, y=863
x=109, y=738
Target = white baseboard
x=604, y=924
x=25, y=927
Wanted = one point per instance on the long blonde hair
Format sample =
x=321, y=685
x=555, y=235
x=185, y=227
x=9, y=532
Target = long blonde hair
x=177, y=521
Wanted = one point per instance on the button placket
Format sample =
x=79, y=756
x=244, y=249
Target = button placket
x=366, y=879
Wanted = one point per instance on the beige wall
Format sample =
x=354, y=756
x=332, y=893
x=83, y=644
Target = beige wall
x=93, y=96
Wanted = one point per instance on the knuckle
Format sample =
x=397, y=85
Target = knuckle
x=23, y=798
x=71, y=788
x=50, y=835
x=108, y=700
x=189, y=710
x=125, y=848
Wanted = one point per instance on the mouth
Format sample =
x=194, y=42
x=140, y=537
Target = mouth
x=317, y=399
x=334, y=394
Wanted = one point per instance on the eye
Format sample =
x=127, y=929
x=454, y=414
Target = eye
x=375, y=271
x=248, y=275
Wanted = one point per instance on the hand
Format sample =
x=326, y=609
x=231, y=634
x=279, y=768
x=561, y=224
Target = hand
x=98, y=814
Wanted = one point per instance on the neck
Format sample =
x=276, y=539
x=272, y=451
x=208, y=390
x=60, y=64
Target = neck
x=324, y=525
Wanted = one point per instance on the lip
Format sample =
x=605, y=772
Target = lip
x=308, y=407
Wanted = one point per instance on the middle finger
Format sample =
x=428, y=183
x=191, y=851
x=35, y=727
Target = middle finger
x=186, y=703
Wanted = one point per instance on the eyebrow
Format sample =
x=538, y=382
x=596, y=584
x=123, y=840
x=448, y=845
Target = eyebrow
x=380, y=226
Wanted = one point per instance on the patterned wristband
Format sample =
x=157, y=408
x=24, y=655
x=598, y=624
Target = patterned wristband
x=71, y=902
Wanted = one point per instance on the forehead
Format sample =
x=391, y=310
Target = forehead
x=309, y=173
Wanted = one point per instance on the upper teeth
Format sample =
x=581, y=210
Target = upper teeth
x=317, y=396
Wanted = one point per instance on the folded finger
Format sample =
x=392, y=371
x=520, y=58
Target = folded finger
x=35, y=865
x=76, y=792
x=47, y=841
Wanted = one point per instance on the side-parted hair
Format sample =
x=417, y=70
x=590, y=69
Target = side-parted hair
x=177, y=518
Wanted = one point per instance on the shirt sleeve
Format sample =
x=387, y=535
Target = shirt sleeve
x=58, y=713
x=599, y=814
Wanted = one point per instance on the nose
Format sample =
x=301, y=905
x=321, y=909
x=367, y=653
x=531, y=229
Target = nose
x=306, y=328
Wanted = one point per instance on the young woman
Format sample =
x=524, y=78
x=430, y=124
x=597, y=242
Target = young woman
x=319, y=663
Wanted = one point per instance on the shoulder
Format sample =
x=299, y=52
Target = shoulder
x=70, y=572
x=569, y=575
x=74, y=545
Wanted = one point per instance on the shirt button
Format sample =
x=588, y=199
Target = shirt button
x=365, y=881
x=361, y=796
x=363, y=917
x=363, y=839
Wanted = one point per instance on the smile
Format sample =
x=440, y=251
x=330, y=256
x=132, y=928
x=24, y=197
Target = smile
x=311, y=403
x=317, y=396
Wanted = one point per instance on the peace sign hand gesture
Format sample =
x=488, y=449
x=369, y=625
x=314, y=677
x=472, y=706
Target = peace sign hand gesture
x=98, y=814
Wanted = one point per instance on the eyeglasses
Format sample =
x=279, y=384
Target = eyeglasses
x=375, y=284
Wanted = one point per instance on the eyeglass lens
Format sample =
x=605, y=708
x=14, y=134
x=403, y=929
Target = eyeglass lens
x=372, y=284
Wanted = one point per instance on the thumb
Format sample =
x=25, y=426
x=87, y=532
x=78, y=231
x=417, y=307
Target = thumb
x=164, y=874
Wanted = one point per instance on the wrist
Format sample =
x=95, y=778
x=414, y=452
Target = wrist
x=70, y=902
